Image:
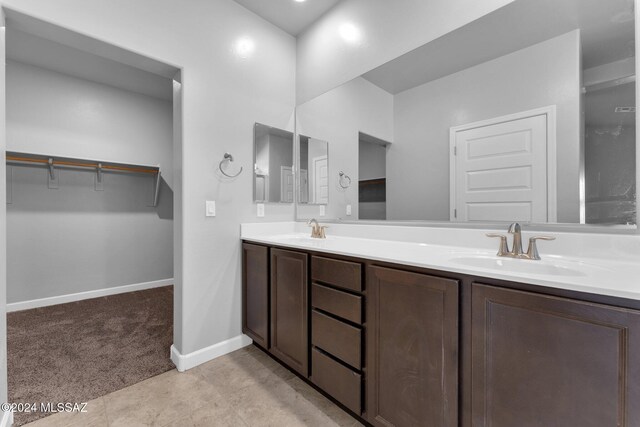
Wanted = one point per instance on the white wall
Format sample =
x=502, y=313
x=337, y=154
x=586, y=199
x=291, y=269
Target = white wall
x=3, y=222
x=224, y=94
x=544, y=74
x=337, y=117
x=388, y=29
x=75, y=239
x=61, y=115
x=372, y=160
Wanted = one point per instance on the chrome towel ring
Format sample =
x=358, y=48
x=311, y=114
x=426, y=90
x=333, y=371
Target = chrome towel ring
x=342, y=177
x=229, y=159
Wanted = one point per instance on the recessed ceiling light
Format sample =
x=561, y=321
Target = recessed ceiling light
x=300, y=1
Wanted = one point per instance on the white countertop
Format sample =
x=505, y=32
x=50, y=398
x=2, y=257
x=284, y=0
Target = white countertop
x=617, y=277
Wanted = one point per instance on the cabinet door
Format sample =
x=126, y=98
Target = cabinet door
x=552, y=362
x=289, y=309
x=412, y=349
x=255, y=293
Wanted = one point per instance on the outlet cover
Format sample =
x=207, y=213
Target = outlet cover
x=323, y=210
x=348, y=210
x=260, y=210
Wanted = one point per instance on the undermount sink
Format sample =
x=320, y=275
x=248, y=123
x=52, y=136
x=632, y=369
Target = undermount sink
x=298, y=238
x=513, y=265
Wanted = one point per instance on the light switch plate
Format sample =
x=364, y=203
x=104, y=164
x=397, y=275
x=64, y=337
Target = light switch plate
x=210, y=208
x=323, y=210
x=348, y=210
x=260, y=210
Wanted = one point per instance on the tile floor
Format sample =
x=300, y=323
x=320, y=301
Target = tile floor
x=244, y=388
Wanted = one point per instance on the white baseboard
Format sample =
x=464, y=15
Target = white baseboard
x=7, y=419
x=43, y=302
x=185, y=362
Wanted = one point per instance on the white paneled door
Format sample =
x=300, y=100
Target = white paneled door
x=503, y=169
x=286, y=184
x=320, y=180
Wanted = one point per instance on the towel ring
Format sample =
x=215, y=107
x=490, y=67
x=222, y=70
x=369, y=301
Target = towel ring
x=342, y=177
x=228, y=158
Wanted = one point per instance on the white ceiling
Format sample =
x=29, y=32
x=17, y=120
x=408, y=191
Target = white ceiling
x=607, y=30
x=289, y=15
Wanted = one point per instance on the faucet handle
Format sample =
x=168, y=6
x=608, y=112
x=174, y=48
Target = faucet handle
x=532, y=251
x=504, y=247
x=321, y=232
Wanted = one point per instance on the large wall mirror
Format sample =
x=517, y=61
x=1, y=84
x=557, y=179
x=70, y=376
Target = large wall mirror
x=273, y=180
x=527, y=114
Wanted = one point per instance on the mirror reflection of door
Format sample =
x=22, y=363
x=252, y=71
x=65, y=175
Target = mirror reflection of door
x=372, y=177
x=320, y=174
x=499, y=169
x=286, y=184
x=314, y=171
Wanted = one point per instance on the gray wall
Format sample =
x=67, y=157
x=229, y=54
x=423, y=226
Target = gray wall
x=372, y=160
x=75, y=239
x=418, y=162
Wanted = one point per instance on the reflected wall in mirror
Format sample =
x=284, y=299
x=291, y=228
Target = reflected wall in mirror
x=273, y=180
x=527, y=114
x=313, y=171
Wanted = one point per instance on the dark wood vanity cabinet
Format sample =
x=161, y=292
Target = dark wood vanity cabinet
x=289, y=309
x=255, y=293
x=405, y=347
x=546, y=361
x=412, y=349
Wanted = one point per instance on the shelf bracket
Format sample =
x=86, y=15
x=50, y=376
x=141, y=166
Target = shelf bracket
x=52, y=178
x=99, y=185
x=156, y=190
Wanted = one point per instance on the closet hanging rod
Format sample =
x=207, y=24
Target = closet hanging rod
x=51, y=162
x=114, y=167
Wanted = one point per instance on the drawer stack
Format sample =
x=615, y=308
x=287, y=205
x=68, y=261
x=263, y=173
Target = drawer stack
x=336, y=329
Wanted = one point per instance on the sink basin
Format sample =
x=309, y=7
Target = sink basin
x=513, y=265
x=297, y=238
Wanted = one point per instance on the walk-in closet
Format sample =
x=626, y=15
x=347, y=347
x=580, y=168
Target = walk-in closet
x=89, y=165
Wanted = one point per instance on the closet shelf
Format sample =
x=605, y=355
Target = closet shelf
x=100, y=167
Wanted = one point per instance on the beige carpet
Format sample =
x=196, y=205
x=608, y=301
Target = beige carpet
x=82, y=350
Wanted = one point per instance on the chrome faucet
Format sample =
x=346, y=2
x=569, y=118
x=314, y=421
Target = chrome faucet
x=516, y=248
x=317, y=230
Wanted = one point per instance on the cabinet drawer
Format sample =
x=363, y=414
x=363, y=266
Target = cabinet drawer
x=337, y=338
x=339, y=381
x=339, y=303
x=342, y=274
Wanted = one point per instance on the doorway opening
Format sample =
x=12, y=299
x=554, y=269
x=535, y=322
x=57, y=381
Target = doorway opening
x=372, y=177
x=92, y=134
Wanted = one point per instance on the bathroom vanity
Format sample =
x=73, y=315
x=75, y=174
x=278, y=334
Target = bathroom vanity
x=399, y=344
